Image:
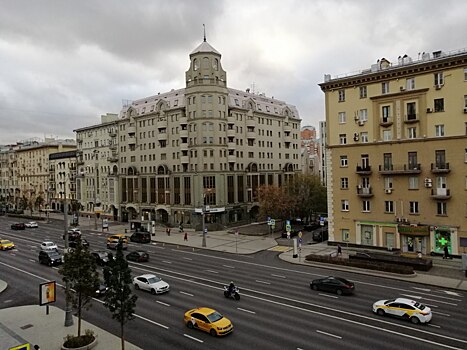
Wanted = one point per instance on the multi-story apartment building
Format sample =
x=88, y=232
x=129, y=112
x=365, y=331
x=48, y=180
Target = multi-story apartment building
x=322, y=146
x=9, y=189
x=205, y=147
x=62, y=179
x=310, y=149
x=397, y=154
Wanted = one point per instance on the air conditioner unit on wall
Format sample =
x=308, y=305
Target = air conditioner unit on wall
x=388, y=190
x=361, y=123
x=429, y=110
x=402, y=88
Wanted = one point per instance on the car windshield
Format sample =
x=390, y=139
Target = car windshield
x=54, y=254
x=154, y=279
x=215, y=316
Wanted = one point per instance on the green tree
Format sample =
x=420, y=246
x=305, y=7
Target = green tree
x=309, y=194
x=79, y=270
x=119, y=298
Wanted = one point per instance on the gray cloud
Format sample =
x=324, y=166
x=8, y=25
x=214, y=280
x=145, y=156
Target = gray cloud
x=64, y=63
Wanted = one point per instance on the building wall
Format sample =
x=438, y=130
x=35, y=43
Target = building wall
x=407, y=150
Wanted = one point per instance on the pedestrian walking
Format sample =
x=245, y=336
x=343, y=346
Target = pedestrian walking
x=168, y=231
x=185, y=238
x=181, y=228
x=446, y=252
x=339, y=249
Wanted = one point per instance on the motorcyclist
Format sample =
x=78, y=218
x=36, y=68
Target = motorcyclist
x=231, y=288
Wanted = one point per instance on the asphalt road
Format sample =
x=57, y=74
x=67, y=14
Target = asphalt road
x=277, y=310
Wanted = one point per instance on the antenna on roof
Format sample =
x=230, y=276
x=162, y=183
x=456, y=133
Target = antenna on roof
x=204, y=29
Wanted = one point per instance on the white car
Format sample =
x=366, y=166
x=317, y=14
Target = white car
x=404, y=308
x=151, y=283
x=31, y=224
x=48, y=245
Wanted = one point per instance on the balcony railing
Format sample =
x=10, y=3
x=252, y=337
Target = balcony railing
x=440, y=168
x=386, y=121
x=440, y=193
x=364, y=191
x=411, y=118
x=399, y=169
x=363, y=170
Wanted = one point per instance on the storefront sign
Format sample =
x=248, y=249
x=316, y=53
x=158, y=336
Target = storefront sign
x=414, y=230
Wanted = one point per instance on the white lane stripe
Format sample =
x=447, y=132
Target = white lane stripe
x=32, y=260
x=264, y=282
x=441, y=313
x=157, y=246
x=193, y=338
x=327, y=295
x=329, y=334
x=182, y=292
x=437, y=300
x=162, y=303
x=151, y=321
x=229, y=267
x=212, y=271
x=280, y=276
x=187, y=258
x=433, y=325
x=245, y=310
x=166, y=261
x=424, y=289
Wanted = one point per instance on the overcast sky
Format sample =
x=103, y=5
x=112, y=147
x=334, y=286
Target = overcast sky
x=63, y=63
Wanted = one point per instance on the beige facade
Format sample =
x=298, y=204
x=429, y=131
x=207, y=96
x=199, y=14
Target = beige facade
x=205, y=146
x=62, y=179
x=397, y=154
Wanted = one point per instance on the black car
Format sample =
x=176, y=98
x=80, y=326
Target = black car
x=101, y=256
x=18, y=226
x=138, y=256
x=321, y=235
x=333, y=284
x=101, y=290
x=50, y=257
x=74, y=243
x=141, y=237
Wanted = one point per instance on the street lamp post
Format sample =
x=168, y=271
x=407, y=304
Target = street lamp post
x=68, y=310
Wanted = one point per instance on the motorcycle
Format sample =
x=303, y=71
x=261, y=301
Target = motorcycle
x=234, y=294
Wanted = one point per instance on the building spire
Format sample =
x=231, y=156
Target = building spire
x=204, y=29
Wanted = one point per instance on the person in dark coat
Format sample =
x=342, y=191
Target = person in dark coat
x=446, y=252
x=339, y=249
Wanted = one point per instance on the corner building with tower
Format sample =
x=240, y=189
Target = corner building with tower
x=204, y=148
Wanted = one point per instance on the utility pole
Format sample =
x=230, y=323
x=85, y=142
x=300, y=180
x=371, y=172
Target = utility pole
x=68, y=310
x=203, y=211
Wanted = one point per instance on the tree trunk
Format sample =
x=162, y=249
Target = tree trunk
x=79, y=314
x=122, y=336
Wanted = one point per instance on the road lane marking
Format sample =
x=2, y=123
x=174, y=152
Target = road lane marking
x=449, y=292
x=263, y=282
x=187, y=258
x=182, y=292
x=438, y=301
x=280, y=276
x=32, y=260
x=328, y=334
x=162, y=303
x=441, y=313
x=229, y=266
x=193, y=338
x=424, y=289
x=8, y=301
x=212, y=271
x=433, y=325
x=245, y=310
x=327, y=295
x=166, y=261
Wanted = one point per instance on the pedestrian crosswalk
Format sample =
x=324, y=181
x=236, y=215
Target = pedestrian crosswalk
x=279, y=248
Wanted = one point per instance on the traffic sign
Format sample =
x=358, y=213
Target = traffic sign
x=300, y=234
x=273, y=222
x=288, y=228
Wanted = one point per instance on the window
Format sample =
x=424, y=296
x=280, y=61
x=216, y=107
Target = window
x=410, y=84
x=412, y=133
x=439, y=79
x=363, y=92
x=465, y=101
x=341, y=95
x=387, y=135
x=345, y=235
x=363, y=114
x=389, y=206
x=465, y=74
x=439, y=104
x=387, y=159
x=442, y=208
x=386, y=113
x=342, y=118
x=364, y=137
x=413, y=207
x=413, y=182
x=342, y=139
x=366, y=206
x=344, y=183
x=344, y=161
x=411, y=111
x=385, y=87
x=439, y=130
x=345, y=205
x=465, y=156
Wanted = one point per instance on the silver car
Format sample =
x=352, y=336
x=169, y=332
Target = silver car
x=151, y=283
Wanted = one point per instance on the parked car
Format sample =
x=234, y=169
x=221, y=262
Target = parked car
x=48, y=245
x=74, y=243
x=50, y=257
x=18, y=226
x=404, y=308
x=101, y=256
x=208, y=320
x=138, y=256
x=141, y=237
x=73, y=234
x=31, y=224
x=333, y=284
x=113, y=240
x=151, y=283
x=311, y=226
x=5, y=244
x=321, y=235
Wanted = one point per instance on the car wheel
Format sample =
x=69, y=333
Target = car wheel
x=314, y=287
x=414, y=320
x=339, y=292
x=213, y=332
x=136, y=287
x=189, y=324
x=380, y=312
x=153, y=291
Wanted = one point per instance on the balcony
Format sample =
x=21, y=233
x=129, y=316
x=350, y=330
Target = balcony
x=132, y=140
x=386, y=121
x=231, y=145
x=251, y=122
x=363, y=170
x=411, y=118
x=113, y=146
x=184, y=159
x=131, y=129
x=400, y=169
x=230, y=132
x=440, y=193
x=112, y=133
x=230, y=119
x=184, y=133
x=162, y=136
x=231, y=158
x=249, y=135
x=287, y=128
x=112, y=159
x=364, y=192
x=287, y=138
x=161, y=123
x=80, y=161
x=183, y=120
x=440, y=168
x=184, y=146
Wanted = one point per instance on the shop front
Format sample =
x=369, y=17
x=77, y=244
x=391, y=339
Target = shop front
x=443, y=238
x=414, y=239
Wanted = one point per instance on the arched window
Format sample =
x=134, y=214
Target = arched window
x=215, y=64
x=205, y=62
x=195, y=64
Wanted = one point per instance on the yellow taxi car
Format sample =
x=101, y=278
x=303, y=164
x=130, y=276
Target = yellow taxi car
x=5, y=244
x=403, y=308
x=208, y=320
x=113, y=240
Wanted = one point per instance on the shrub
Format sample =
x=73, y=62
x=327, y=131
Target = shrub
x=72, y=341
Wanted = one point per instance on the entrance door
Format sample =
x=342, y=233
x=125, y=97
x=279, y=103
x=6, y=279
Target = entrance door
x=390, y=240
x=410, y=244
x=367, y=235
